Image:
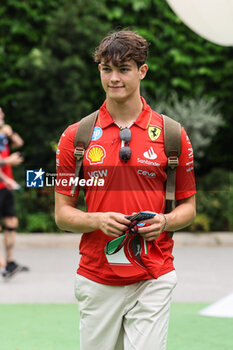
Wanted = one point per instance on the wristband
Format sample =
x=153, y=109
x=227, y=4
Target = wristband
x=165, y=223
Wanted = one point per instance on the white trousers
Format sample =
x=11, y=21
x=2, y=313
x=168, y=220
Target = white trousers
x=133, y=317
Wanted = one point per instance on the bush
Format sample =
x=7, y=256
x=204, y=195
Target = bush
x=199, y=117
x=215, y=199
x=35, y=210
x=200, y=224
x=40, y=222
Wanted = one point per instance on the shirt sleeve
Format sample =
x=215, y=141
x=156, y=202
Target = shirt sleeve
x=185, y=178
x=65, y=162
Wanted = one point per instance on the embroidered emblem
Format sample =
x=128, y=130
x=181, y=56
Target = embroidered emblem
x=96, y=154
x=97, y=133
x=154, y=132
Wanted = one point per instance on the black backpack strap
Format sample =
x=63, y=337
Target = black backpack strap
x=172, y=149
x=81, y=142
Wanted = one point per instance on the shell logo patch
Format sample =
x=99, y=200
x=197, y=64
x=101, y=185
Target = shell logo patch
x=154, y=132
x=96, y=154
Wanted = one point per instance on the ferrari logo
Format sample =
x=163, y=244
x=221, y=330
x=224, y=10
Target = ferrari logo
x=154, y=132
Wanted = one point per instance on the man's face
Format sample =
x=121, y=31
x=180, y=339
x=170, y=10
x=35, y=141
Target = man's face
x=121, y=82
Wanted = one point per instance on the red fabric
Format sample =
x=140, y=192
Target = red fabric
x=146, y=256
x=4, y=153
x=138, y=185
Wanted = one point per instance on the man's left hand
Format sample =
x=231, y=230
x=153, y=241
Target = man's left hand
x=152, y=232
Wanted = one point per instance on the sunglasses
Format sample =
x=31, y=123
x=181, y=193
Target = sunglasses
x=125, y=151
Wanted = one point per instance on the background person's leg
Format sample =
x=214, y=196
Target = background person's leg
x=2, y=263
x=10, y=227
x=12, y=267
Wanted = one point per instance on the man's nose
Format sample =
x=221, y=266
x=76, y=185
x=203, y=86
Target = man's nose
x=115, y=76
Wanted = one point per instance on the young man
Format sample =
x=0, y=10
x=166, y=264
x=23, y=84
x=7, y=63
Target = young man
x=123, y=301
x=7, y=204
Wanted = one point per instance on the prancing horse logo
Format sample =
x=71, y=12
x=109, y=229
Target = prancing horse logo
x=154, y=132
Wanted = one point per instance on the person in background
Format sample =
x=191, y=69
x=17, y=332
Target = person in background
x=9, y=138
x=14, y=159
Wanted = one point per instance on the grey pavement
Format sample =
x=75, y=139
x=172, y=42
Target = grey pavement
x=203, y=263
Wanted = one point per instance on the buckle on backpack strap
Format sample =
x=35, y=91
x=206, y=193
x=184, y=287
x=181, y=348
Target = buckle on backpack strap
x=79, y=152
x=173, y=160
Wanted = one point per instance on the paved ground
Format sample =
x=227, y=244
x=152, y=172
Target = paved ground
x=203, y=263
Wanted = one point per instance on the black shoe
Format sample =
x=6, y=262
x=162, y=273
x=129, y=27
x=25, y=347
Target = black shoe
x=12, y=268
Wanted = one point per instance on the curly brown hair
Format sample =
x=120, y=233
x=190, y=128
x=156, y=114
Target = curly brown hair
x=122, y=46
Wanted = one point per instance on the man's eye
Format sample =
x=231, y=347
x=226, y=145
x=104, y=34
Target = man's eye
x=106, y=69
x=124, y=69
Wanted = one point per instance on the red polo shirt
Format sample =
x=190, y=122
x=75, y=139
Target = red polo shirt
x=138, y=185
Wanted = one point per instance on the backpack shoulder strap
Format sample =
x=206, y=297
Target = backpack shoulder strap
x=81, y=142
x=172, y=148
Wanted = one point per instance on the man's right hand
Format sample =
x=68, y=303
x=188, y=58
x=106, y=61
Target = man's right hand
x=69, y=218
x=113, y=224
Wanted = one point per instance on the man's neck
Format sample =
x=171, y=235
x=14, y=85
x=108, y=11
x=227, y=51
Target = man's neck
x=124, y=113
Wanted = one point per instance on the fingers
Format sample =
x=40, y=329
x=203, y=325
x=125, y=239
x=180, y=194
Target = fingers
x=149, y=236
x=114, y=224
x=155, y=228
x=149, y=233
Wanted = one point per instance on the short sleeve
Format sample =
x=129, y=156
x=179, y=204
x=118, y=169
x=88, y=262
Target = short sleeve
x=185, y=178
x=65, y=161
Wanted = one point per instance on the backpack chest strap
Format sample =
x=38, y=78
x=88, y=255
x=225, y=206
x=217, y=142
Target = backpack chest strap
x=82, y=140
x=172, y=149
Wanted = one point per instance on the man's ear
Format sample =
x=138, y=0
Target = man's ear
x=99, y=67
x=143, y=70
